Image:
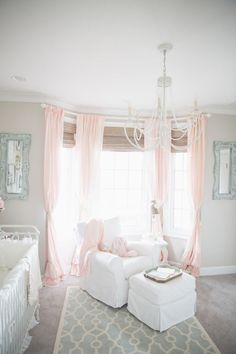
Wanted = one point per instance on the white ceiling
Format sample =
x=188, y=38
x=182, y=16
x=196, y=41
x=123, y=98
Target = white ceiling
x=99, y=53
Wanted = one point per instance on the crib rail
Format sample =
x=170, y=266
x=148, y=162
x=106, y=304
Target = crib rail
x=19, y=232
x=18, y=298
x=15, y=313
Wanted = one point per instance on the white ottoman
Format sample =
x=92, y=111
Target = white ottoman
x=162, y=305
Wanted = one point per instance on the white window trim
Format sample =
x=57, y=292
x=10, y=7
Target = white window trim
x=169, y=231
x=130, y=230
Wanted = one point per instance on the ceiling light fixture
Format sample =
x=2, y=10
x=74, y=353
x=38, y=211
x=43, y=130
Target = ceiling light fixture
x=160, y=126
x=18, y=78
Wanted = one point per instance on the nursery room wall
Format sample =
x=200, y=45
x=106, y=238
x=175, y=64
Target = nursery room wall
x=218, y=216
x=27, y=118
x=218, y=236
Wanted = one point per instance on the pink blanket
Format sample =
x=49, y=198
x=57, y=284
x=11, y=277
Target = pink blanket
x=92, y=242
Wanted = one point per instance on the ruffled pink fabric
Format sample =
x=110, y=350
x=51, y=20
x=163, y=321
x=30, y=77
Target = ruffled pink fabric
x=92, y=243
x=89, y=139
x=53, y=144
x=120, y=248
x=192, y=254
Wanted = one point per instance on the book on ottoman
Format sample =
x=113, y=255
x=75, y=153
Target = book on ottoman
x=163, y=273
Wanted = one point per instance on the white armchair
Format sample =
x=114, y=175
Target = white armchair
x=108, y=279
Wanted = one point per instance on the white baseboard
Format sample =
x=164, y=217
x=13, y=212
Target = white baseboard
x=218, y=270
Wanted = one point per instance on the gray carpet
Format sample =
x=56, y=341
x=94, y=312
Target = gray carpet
x=216, y=311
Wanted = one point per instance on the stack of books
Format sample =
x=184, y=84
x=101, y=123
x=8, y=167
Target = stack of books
x=163, y=273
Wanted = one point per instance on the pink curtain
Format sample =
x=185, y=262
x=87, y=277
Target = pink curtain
x=89, y=139
x=53, y=143
x=192, y=254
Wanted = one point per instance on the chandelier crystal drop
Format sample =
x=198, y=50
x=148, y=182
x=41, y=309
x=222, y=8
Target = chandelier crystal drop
x=161, y=128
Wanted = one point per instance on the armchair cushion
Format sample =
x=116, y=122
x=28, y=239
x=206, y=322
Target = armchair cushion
x=134, y=265
x=145, y=248
x=107, y=262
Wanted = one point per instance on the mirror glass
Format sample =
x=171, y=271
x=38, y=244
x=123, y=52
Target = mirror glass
x=224, y=182
x=14, y=171
x=14, y=165
x=224, y=170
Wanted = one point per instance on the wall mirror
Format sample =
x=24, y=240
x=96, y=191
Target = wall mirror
x=224, y=170
x=14, y=166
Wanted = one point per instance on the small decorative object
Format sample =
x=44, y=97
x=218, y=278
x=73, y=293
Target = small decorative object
x=2, y=204
x=156, y=228
x=163, y=273
x=14, y=165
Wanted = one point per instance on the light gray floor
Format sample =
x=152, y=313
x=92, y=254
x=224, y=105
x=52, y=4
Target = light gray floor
x=216, y=310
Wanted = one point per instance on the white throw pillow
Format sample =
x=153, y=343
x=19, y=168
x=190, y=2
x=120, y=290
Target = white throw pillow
x=112, y=229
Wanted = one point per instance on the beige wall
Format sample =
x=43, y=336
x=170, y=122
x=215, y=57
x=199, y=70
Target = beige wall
x=27, y=118
x=218, y=235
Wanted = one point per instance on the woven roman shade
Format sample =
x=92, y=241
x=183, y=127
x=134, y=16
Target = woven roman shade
x=68, y=135
x=114, y=138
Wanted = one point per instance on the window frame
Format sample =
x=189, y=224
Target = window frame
x=129, y=229
x=169, y=229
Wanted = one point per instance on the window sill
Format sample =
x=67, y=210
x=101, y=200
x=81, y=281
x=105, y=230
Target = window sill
x=178, y=236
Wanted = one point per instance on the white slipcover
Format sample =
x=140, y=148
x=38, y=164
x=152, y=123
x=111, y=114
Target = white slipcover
x=109, y=274
x=162, y=305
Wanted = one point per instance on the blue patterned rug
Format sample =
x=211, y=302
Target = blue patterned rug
x=87, y=326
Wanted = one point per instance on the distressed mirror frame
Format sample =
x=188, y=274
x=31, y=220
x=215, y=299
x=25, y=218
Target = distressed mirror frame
x=26, y=141
x=217, y=147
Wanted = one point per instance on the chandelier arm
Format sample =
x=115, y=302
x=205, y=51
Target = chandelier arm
x=178, y=138
x=195, y=138
x=183, y=129
x=174, y=119
x=138, y=133
x=137, y=145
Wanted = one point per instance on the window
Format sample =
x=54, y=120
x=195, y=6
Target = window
x=179, y=208
x=123, y=190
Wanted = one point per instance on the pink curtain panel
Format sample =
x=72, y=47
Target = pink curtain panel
x=89, y=140
x=53, y=144
x=192, y=254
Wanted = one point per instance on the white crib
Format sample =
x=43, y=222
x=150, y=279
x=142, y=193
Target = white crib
x=20, y=280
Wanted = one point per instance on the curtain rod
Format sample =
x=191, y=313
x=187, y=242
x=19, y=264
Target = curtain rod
x=118, y=117
x=44, y=105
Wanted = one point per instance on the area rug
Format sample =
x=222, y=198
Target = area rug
x=88, y=326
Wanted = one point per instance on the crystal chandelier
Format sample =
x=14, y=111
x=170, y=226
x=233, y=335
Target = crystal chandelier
x=161, y=128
